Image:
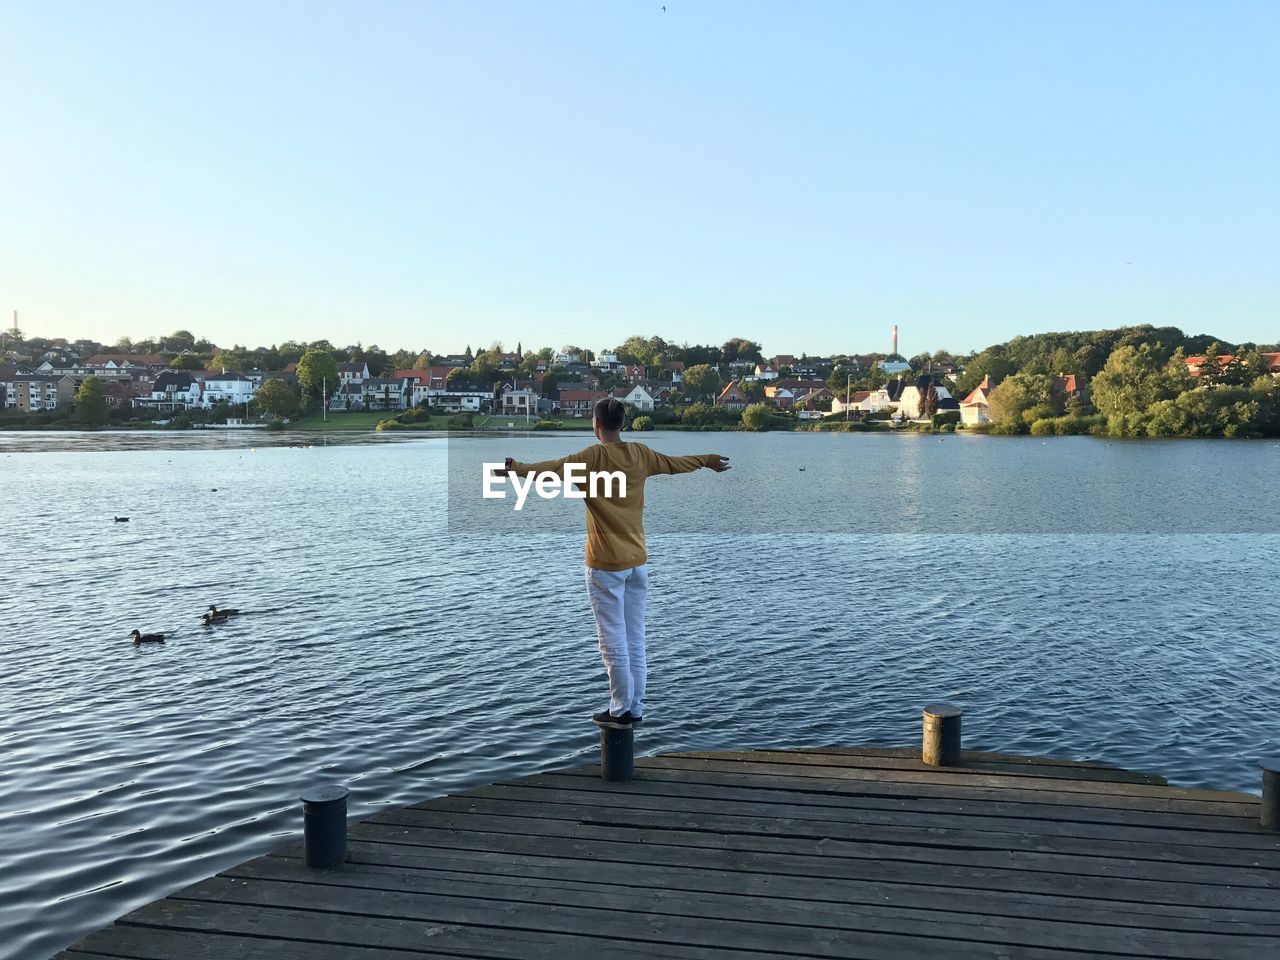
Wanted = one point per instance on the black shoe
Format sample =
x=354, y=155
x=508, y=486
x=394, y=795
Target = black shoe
x=636, y=721
x=605, y=719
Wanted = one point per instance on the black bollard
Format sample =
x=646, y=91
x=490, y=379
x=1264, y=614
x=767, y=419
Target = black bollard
x=1270, y=814
x=324, y=826
x=617, y=754
x=941, y=735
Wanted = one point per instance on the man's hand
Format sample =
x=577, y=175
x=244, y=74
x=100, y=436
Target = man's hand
x=505, y=469
x=719, y=464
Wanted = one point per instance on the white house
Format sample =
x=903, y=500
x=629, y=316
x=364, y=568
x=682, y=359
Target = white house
x=519, y=402
x=912, y=395
x=637, y=396
x=765, y=371
x=171, y=391
x=865, y=401
x=460, y=398
x=381, y=394
x=359, y=372
x=233, y=388
x=606, y=361
x=975, y=408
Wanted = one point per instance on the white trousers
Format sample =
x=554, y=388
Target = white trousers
x=617, y=600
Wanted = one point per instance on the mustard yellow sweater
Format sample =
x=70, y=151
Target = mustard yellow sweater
x=615, y=527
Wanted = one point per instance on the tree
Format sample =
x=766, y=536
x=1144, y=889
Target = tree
x=757, y=417
x=1023, y=398
x=186, y=361
x=929, y=401
x=642, y=423
x=1210, y=373
x=182, y=339
x=91, y=402
x=701, y=380
x=315, y=368
x=738, y=348
x=276, y=399
x=1133, y=379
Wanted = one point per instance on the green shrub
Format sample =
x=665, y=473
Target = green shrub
x=462, y=421
x=642, y=423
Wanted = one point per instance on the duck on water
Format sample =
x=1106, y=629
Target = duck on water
x=140, y=638
x=218, y=616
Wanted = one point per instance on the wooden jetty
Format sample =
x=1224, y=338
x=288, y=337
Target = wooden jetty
x=831, y=852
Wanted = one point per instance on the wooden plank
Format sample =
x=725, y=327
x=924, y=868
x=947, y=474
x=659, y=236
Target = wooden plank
x=819, y=864
x=315, y=927
x=1149, y=942
x=889, y=797
x=818, y=778
x=973, y=762
x=830, y=846
x=153, y=943
x=650, y=795
x=1105, y=770
x=757, y=760
x=731, y=818
x=926, y=894
x=666, y=932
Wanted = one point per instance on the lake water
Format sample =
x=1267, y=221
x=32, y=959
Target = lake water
x=1084, y=599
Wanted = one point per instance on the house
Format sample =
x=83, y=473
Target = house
x=856, y=402
x=732, y=397
x=1272, y=360
x=633, y=372
x=32, y=393
x=519, y=401
x=227, y=387
x=893, y=364
x=659, y=390
x=579, y=403
x=424, y=384
x=783, y=361
x=781, y=397
x=818, y=399
x=1068, y=383
x=606, y=361
x=359, y=372
x=460, y=396
x=913, y=394
x=637, y=396
x=975, y=408
x=114, y=362
x=377, y=393
x=564, y=359
x=120, y=393
x=765, y=371
x=793, y=386
x=675, y=370
x=171, y=391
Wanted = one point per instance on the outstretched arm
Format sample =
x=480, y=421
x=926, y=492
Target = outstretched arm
x=657, y=463
x=583, y=456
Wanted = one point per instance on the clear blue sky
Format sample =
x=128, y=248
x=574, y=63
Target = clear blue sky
x=803, y=174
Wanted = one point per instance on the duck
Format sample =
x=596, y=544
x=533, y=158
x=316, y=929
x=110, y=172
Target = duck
x=121, y=519
x=139, y=638
x=214, y=615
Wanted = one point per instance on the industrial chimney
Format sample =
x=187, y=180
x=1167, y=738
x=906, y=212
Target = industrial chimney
x=895, y=341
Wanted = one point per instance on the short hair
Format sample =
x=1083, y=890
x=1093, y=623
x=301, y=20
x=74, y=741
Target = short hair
x=610, y=413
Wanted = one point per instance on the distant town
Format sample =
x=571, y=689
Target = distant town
x=1133, y=381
